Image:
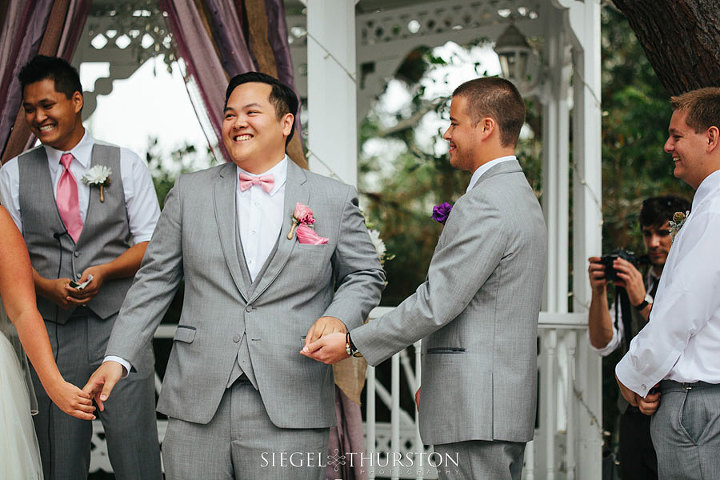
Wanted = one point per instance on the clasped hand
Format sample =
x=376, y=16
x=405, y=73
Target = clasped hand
x=647, y=404
x=325, y=341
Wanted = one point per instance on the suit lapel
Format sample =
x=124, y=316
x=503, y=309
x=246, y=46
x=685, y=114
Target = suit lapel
x=226, y=218
x=296, y=190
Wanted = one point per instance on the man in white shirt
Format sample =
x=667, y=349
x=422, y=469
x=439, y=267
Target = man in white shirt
x=612, y=327
x=678, y=349
x=86, y=241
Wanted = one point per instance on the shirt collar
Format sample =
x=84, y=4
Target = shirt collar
x=707, y=186
x=82, y=152
x=279, y=173
x=485, y=167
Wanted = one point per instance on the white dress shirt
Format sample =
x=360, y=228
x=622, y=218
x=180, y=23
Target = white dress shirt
x=485, y=167
x=141, y=201
x=682, y=339
x=618, y=328
x=260, y=217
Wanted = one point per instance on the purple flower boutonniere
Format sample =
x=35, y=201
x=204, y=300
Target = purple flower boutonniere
x=441, y=212
x=303, y=220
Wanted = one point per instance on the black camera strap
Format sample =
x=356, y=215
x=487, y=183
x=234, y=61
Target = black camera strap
x=622, y=303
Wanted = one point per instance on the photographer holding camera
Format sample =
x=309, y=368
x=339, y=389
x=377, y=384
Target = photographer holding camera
x=612, y=327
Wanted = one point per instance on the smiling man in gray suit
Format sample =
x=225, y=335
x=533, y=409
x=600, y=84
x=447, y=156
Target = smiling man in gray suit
x=241, y=401
x=477, y=312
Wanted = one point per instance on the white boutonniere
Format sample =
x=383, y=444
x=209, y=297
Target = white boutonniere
x=99, y=176
x=677, y=222
x=377, y=242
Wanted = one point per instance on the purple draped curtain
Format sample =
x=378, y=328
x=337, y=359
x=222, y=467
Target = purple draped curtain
x=32, y=27
x=217, y=39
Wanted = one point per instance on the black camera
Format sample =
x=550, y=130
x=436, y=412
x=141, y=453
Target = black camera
x=607, y=261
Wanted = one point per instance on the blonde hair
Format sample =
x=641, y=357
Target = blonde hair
x=702, y=107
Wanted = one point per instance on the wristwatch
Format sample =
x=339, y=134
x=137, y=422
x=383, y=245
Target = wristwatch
x=641, y=306
x=350, y=347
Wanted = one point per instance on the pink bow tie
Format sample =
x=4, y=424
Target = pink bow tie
x=266, y=182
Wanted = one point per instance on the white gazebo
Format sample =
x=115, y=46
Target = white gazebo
x=339, y=39
x=332, y=42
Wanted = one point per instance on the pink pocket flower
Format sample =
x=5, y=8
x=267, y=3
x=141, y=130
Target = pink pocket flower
x=308, y=236
x=303, y=214
x=303, y=219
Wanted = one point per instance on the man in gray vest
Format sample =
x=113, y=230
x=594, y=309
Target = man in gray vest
x=612, y=327
x=87, y=212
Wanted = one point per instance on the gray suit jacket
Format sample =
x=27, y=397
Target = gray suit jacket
x=477, y=314
x=196, y=238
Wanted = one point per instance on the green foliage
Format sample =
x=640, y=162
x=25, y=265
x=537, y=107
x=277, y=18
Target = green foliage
x=166, y=168
x=636, y=113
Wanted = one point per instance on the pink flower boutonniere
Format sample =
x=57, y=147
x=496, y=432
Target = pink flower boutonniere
x=303, y=221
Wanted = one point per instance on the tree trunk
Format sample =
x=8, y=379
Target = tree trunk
x=681, y=39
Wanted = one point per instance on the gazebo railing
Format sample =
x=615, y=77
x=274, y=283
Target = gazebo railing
x=568, y=433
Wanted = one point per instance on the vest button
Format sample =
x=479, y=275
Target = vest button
x=236, y=339
x=77, y=254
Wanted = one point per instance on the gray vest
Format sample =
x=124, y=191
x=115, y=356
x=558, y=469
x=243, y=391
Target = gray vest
x=53, y=253
x=243, y=363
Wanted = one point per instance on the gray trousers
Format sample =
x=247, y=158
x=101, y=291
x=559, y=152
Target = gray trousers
x=480, y=460
x=128, y=420
x=241, y=442
x=686, y=431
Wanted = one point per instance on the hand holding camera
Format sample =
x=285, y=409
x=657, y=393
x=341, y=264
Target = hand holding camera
x=621, y=268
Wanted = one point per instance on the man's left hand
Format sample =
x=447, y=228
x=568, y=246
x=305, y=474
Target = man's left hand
x=647, y=405
x=81, y=297
x=328, y=349
x=324, y=326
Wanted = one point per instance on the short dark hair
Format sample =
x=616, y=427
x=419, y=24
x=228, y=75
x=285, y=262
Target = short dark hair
x=656, y=211
x=282, y=97
x=702, y=107
x=498, y=99
x=41, y=67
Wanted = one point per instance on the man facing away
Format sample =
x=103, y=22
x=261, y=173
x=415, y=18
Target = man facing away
x=678, y=347
x=477, y=312
x=241, y=401
x=609, y=329
x=79, y=234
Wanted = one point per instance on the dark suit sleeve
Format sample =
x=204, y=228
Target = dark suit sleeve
x=468, y=252
x=155, y=284
x=359, y=277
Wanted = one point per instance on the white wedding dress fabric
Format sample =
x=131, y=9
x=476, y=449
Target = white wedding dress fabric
x=19, y=454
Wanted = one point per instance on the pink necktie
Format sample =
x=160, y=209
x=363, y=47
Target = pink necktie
x=67, y=199
x=266, y=182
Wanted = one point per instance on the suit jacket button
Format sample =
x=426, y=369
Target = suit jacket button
x=77, y=254
x=248, y=309
x=236, y=339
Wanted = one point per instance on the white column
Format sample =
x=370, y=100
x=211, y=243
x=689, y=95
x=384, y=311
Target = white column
x=583, y=19
x=332, y=88
x=556, y=137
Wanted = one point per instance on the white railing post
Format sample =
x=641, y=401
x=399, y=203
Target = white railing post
x=395, y=417
x=370, y=420
x=418, y=441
